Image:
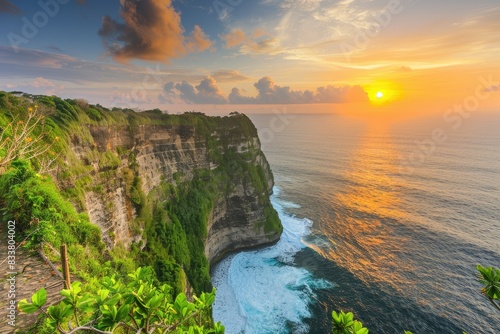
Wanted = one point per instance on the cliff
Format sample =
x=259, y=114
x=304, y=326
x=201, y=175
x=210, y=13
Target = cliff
x=175, y=192
x=237, y=219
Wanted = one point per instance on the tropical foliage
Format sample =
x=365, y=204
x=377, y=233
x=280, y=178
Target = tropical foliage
x=142, y=305
x=490, y=278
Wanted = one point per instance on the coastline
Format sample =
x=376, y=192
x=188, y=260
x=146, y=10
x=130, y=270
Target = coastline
x=261, y=290
x=234, y=251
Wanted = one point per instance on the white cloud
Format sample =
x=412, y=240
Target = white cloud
x=42, y=82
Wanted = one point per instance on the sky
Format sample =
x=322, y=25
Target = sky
x=403, y=57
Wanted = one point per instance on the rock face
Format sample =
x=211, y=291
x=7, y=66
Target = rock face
x=160, y=151
x=127, y=162
x=236, y=220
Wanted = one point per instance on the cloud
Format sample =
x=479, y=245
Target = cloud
x=39, y=85
x=207, y=92
x=268, y=92
x=257, y=42
x=304, y=5
x=228, y=76
x=235, y=38
x=8, y=7
x=271, y=93
x=235, y=97
x=198, y=40
x=94, y=75
x=42, y=82
x=152, y=31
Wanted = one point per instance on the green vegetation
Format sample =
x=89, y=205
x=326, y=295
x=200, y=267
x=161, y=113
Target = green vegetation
x=139, y=305
x=490, y=278
x=195, y=194
x=42, y=214
x=344, y=323
x=54, y=153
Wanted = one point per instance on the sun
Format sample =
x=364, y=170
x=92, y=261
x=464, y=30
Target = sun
x=381, y=93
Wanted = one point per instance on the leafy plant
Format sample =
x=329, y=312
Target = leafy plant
x=490, y=278
x=344, y=323
x=141, y=306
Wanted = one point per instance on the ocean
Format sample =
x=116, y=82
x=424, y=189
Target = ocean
x=386, y=219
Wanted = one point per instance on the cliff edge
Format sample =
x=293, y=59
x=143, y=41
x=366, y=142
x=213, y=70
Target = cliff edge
x=241, y=215
x=175, y=192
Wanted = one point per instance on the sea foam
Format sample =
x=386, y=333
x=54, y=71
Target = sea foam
x=261, y=291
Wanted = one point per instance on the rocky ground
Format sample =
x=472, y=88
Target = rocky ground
x=33, y=274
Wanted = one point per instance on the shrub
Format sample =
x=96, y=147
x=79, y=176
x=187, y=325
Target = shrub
x=141, y=305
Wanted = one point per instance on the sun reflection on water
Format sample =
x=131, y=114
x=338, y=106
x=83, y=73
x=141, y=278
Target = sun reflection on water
x=361, y=232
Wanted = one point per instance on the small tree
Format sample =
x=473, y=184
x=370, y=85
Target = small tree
x=24, y=138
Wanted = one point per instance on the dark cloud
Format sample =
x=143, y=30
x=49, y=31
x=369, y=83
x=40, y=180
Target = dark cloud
x=151, y=30
x=9, y=8
x=268, y=93
x=271, y=93
x=207, y=92
x=235, y=97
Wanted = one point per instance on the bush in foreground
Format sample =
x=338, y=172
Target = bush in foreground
x=140, y=306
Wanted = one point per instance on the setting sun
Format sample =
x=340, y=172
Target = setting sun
x=379, y=95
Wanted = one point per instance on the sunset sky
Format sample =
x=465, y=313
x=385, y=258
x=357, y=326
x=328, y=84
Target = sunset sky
x=408, y=56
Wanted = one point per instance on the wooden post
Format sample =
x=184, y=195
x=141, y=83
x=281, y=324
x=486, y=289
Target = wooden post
x=65, y=266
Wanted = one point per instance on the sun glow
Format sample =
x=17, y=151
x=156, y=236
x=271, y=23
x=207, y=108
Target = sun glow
x=383, y=92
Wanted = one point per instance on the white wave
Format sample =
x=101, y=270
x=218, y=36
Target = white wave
x=225, y=308
x=261, y=291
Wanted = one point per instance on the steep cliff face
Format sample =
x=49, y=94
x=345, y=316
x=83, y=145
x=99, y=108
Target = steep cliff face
x=130, y=163
x=238, y=219
x=158, y=152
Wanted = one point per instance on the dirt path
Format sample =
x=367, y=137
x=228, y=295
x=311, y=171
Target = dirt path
x=33, y=274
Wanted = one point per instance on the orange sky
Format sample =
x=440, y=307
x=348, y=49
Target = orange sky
x=307, y=56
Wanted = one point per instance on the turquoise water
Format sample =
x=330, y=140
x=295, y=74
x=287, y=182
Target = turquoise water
x=378, y=220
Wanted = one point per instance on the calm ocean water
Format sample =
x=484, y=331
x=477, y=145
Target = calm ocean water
x=375, y=223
